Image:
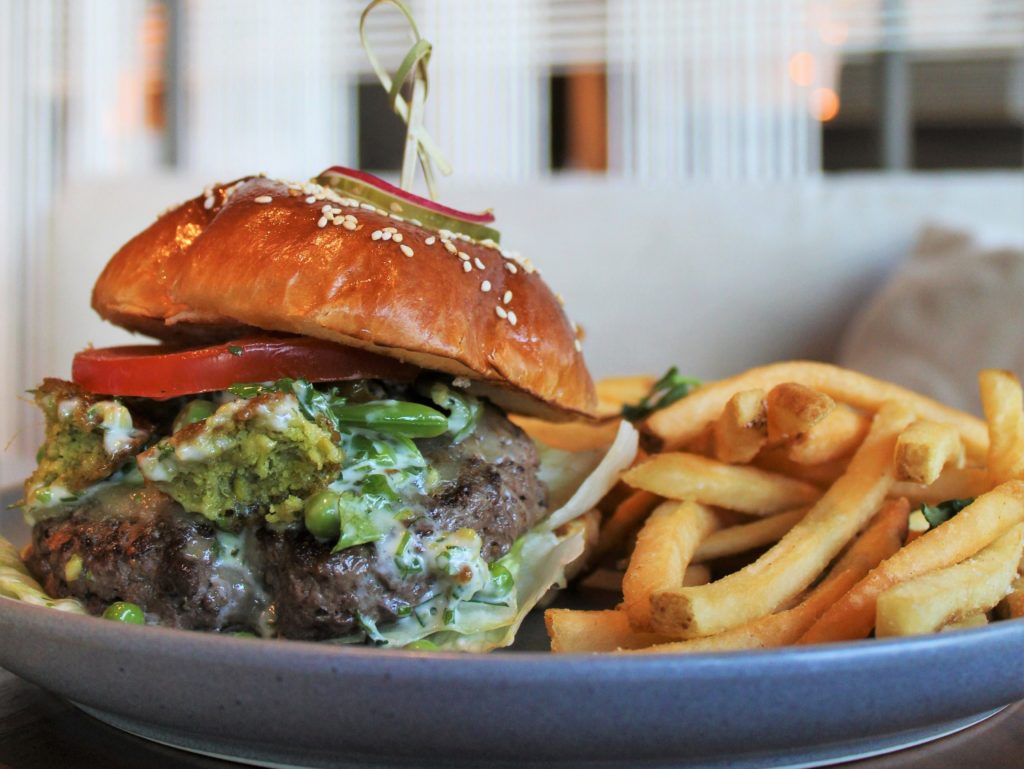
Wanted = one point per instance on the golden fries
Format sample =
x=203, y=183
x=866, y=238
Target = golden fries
x=748, y=536
x=924, y=449
x=664, y=548
x=594, y=631
x=624, y=522
x=974, y=620
x=801, y=555
x=614, y=392
x=736, y=487
x=835, y=437
x=977, y=525
x=776, y=460
x=683, y=420
x=742, y=428
x=1003, y=403
x=793, y=409
x=817, y=454
x=569, y=436
x=1012, y=605
x=952, y=484
x=927, y=603
x=880, y=540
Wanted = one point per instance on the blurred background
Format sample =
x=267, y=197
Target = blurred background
x=713, y=183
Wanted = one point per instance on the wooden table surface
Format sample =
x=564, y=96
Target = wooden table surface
x=41, y=731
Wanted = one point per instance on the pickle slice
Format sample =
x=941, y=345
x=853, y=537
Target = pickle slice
x=434, y=216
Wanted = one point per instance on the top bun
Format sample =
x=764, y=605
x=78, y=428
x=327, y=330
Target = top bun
x=298, y=258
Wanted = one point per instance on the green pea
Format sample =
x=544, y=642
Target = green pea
x=423, y=645
x=412, y=420
x=502, y=580
x=126, y=612
x=323, y=519
x=193, y=411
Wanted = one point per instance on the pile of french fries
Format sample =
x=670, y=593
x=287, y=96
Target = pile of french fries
x=783, y=506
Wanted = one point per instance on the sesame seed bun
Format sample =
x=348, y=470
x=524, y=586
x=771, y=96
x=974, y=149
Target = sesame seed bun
x=297, y=258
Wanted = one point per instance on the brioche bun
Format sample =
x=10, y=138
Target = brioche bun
x=265, y=254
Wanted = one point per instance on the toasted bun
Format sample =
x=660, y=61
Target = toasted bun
x=208, y=270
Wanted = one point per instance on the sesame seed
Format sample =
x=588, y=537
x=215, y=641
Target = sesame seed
x=417, y=222
x=368, y=207
x=263, y=199
x=507, y=297
x=406, y=250
x=311, y=199
x=463, y=256
x=450, y=247
x=397, y=218
x=561, y=299
x=385, y=235
x=485, y=286
x=511, y=268
x=430, y=241
x=397, y=237
x=478, y=263
x=376, y=235
x=467, y=267
x=327, y=209
x=579, y=347
x=208, y=203
x=392, y=230
x=337, y=222
x=322, y=223
x=349, y=224
x=501, y=312
x=512, y=318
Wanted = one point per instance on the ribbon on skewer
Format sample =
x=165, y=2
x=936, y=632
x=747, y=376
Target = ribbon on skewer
x=418, y=143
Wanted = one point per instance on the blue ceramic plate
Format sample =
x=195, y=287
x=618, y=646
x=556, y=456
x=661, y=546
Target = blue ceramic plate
x=278, y=703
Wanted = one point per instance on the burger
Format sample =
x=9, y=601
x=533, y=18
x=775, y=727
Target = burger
x=319, y=447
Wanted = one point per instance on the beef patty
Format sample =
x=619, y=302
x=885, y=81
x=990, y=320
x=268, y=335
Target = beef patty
x=136, y=544
x=488, y=483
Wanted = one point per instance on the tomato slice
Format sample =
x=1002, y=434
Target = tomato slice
x=158, y=371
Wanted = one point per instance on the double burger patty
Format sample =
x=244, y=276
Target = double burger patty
x=139, y=546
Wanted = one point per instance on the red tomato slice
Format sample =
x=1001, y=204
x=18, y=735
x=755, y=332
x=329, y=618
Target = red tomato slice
x=157, y=371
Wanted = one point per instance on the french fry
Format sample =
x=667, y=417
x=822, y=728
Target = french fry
x=569, y=436
x=954, y=483
x=776, y=460
x=741, y=429
x=1003, y=403
x=624, y=522
x=611, y=579
x=677, y=424
x=974, y=620
x=735, y=487
x=835, y=437
x=664, y=548
x=696, y=574
x=748, y=536
x=879, y=541
x=594, y=631
x=615, y=392
x=924, y=449
x=927, y=603
x=793, y=409
x=974, y=527
x=1012, y=605
x=801, y=555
